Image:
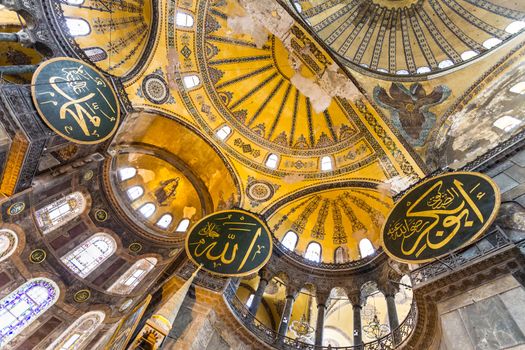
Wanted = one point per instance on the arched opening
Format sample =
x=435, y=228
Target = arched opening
x=90, y=254
x=191, y=81
x=60, y=212
x=147, y=210
x=366, y=248
x=78, y=26
x=133, y=276
x=223, y=132
x=515, y=27
x=518, y=88
x=445, y=64
x=134, y=192
x=183, y=225
x=23, y=306
x=313, y=252
x=290, y=240
x=326, y=163
x=250, y=300
x=340, y=255
x=492, y=42
x=8, y=243
x=184, y=19
x=127, y=173
x=80, y=332
x=272, y=161
x=165, y=221
x=507, y=123
x=468, y=55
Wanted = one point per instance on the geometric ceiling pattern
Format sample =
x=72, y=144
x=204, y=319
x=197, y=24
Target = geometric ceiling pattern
x=410, y=37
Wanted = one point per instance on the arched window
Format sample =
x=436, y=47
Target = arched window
x=519, y=88
x=507, y=123
x=183, y=225
x=78, y=334
x=24, y=305
x=78, y=26
x=126, y=173
x=313, y=252
x=60, y=211
x=190, y=81
x=183, y=19
x=326, y=163
x=134, y=192
x=290, y=240
x=96, y=54
x=272, y=161
x=90, y=254
x=164, y=221
x=8, y=243
x=75, y=2
x=423, y=70
x=402, y=72
x=340, y=256
x=224, y=132
x=490, y=43
x=147, y=210
x=515, y=27
x=468, y=55
x=366, y=248
x=250, y=300
x=445, y=64
x=132, y=277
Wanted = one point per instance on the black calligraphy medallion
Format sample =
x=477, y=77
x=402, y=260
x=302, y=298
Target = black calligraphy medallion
x=75, y=100
x=230, y=243
x=439, y=216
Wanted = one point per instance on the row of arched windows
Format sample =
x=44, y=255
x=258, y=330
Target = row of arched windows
x=27, y=303
x=313, y=250
x=148, y=209
x=272, y=161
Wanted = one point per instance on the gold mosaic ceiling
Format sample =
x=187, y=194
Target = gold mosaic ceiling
x=411, y=37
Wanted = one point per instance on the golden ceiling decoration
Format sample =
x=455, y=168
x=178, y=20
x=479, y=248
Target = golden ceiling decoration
x=408, y=37
x=335, y=218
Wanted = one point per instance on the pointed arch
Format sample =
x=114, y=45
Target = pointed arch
x=60, y=212
x=24, y=305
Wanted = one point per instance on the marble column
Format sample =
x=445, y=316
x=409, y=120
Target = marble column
x=321, y=309
x=257, y=297
x=355, y=300
x=392, y=311
x=287, y=313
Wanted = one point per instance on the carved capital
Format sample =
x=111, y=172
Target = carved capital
x=322, y=297
x=355, y=298
x=265, y=274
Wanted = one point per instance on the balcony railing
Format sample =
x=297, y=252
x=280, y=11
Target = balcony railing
x=492, y=241
x=273, y=339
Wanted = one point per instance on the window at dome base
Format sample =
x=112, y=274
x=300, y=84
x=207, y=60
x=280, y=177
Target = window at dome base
x=164, y=221
x=366, y=248
x=515, y=27
x=91, y=253
x=507, y=123
x=78, y=26
x=183, y=225
x=135, y=192
x=518, y=88
x=23, y=306
x=490, y=43
x=183, y=19
x=191, y=81
x=224, y=132
x=326, y=163
x=290, y=240
x=127, y=173
x=272, y=161
x=313, y=252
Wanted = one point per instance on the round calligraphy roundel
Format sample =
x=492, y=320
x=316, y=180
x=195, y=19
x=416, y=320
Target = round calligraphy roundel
x=440, y=215
x=230, y=243
x=75, y=100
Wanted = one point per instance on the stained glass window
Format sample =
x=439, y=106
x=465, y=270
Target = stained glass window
x=79, y=333
x=313, y=252
x=24, y=305
x=91, y=253
x=290, y=240
x=60, y=211
x=132, y=277
x=8, y=243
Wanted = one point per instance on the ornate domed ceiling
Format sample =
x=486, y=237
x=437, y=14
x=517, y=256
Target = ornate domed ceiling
x=333, y=218
x=411, y=37
x=88, y=24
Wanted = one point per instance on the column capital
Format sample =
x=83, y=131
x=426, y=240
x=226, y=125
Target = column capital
x=265, y=274
x=355, y=298
x=322, y=298
x=291, y=291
